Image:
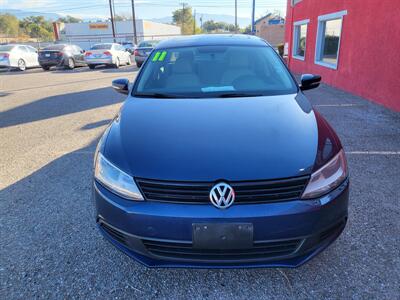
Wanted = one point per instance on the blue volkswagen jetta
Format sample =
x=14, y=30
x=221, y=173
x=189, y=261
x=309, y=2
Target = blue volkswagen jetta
x=217, y=159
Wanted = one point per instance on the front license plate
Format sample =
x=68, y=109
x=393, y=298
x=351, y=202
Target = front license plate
x=47, y=55
x=222, y=235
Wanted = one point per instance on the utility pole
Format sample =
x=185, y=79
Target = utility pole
x=112, y=20
x=134, y=22
x=194, y=22
x=253, y=29
x=236, y=25
x=114, y=14
x=183, y=16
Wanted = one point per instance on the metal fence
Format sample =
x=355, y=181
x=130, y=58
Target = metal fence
x=84, y=41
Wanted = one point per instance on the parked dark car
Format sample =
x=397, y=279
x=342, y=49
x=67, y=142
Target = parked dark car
x=129, y=46
x=68, y=56
x=143, y=51
x=218, y=159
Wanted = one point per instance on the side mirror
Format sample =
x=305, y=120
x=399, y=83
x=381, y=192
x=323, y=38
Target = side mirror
x=121, y=85
x=309, y=81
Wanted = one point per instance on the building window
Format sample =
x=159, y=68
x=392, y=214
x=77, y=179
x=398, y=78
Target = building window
x=328, y=39
x=299, y=39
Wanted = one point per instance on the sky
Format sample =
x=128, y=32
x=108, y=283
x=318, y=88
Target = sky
x=145, y=9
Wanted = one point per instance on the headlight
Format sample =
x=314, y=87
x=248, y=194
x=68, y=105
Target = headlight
x=327, y=178
x=115, y=179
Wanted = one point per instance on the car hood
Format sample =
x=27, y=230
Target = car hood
x=215, y=139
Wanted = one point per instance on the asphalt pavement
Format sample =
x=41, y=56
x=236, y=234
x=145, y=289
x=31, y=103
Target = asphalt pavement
x=50, y=247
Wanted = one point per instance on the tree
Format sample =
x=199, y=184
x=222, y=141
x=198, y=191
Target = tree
x=37, y=27
x=184, y=18
x=9, y=24
x=122, y=18
x=69, y=19
x=212, y=26
x=246, y=30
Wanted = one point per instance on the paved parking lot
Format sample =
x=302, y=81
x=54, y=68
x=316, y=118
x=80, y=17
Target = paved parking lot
x=50, y=247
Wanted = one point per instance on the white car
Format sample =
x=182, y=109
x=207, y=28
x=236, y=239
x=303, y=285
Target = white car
x=18, y=56
x=107, y=54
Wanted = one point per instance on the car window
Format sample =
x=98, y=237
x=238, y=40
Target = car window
x=6, y=47
x=55, y=47
x=76, y=49
x=22, y=49
x=31, y=49
x=145, y=44
x=212, y=71
x=101, y=47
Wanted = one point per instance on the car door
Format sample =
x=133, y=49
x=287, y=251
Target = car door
x=124, y=53
x=80, y=57
x=75, y=53
x=22, y=53
x=121, y=54
x=117, y=52
x=33, y=55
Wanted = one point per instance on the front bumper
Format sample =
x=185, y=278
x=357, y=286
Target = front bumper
x=286, y=234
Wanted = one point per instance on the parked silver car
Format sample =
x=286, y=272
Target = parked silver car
x=18, y=56
x=107, y=54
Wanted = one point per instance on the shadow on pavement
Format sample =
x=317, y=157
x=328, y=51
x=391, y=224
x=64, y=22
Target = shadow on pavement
x=96, y=124
x=55, y=106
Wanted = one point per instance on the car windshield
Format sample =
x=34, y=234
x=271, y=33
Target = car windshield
x=55, y=47
x=6, y=47
x=101, y=47
x=214, y=71
x=146, y=44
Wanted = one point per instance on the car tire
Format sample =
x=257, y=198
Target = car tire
x=92, y=67
x=45, y=68
x=129, y=62
x=116, y=65
x=71, y=64
x=21, y=65
x=138, y=64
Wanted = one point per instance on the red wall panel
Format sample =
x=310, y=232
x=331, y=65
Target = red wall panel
x=369, y=59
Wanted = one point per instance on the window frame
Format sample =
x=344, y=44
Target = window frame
x=296, y=36
x=321, y=35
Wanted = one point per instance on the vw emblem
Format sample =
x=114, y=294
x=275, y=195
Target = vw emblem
x=222, y=195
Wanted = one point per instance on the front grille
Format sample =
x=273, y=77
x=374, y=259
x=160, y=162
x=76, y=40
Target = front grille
x=260, y=250
x=114, y=233
x=261, y=191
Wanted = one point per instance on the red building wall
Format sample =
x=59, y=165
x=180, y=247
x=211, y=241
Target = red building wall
x=369, y=57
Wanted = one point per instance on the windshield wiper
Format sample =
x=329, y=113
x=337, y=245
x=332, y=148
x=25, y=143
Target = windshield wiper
x=233, y=95
x=155, y=95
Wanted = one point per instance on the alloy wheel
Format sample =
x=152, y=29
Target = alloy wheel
x=21, y=65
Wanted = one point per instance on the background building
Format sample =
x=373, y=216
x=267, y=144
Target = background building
x=353, y=45
x=271, y=28
x=86, y=34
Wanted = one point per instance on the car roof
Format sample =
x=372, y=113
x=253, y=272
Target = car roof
x=212, y=40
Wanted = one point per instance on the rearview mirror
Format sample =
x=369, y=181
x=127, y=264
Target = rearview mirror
x=121, y=85
x=309, y=81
